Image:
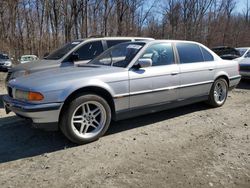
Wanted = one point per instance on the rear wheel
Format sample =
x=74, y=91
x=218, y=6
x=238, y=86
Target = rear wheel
x=218, y=93
x=86, y=118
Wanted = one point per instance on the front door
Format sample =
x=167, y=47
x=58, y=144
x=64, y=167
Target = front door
x=157, y=84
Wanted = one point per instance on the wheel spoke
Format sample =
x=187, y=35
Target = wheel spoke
x=92, y=125
x=98, y=124
x=96, y=112
x=86, y=129
x=82, y=127
x=87, y=107
x=77, y=119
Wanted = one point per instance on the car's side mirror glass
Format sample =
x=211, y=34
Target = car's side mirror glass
x=144, y=62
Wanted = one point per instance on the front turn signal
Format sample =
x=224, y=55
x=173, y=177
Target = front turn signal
x=35, y=96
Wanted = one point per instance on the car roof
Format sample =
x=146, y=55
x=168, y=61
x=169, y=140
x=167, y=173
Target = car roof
x=222, y=47
x=28, y=56
x=170, y=41
x=243, y=48
x=111, y=38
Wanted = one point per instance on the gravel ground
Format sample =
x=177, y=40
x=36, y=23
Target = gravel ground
x=192, y=146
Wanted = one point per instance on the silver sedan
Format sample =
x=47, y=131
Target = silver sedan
x=128, y=80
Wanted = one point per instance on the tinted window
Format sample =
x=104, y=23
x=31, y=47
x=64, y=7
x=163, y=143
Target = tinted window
x=118, y=56
x=90, y=50
x=206, y=54
x=111, y=43
x=189, y=53
x=59, y=53
x=3, y=56
x=160, y=54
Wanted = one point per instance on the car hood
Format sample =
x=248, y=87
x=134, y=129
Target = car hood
x=34, y=66
x=65, y=76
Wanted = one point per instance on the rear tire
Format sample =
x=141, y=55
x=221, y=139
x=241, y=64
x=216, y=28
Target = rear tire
x=86, y=118
x=218, y=93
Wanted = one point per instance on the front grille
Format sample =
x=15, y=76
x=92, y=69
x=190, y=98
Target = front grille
x=10, y=92
x=244, y=67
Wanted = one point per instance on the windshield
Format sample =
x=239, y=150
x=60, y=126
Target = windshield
x=3, y=56
x=59, y=53
x=119, y=55
x=242, y=51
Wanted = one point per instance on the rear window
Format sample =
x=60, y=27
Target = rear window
x=189, y=53
x=111, y=43
x=206, y=54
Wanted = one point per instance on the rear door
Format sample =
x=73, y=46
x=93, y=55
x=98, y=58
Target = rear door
x=196, y=70
x=157, y=84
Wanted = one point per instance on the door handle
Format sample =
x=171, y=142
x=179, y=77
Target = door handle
x=174, y=73
x=211, y=69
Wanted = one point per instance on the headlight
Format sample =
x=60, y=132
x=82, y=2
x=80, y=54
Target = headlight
x=28, y=95
x=8, y=63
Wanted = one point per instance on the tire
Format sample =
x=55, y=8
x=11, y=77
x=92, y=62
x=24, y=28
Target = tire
x=218, y=93
x=85, y=119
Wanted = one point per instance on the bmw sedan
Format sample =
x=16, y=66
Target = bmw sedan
x=127, y=80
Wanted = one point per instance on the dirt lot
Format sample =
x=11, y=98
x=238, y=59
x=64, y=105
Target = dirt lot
x=192, y=146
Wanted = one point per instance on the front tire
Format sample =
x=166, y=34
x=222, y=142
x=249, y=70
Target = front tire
x=86, y=118
x=218, y=93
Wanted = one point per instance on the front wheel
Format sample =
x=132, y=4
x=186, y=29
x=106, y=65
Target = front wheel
x=86, y=118
x=218, y=93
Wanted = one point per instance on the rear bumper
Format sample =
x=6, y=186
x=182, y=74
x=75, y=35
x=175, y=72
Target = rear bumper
x=245, y=74
x=38, y=113
x=234, y=81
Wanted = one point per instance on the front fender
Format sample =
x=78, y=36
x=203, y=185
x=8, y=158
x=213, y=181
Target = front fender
x=91, y=83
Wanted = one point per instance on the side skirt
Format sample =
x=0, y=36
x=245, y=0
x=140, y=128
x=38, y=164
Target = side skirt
x=133, y=112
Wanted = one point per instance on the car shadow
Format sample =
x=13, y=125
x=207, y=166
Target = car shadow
x=1, y=101
x=148, y=119
x=19, y=140
x=244, y=84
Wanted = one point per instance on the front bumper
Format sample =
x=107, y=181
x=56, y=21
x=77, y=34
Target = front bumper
x=5, y=68
x=38, y=113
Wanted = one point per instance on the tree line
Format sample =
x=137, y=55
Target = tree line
x=40, y=26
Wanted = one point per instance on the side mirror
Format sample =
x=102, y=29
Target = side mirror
x=143, y=63
x=74, y=57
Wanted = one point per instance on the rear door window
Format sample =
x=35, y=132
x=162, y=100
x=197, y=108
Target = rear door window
x=189, y=53
x=206, y=54
x=111, y=43
x=90, y=50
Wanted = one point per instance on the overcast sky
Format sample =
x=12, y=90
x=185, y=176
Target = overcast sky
x=241, y=5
